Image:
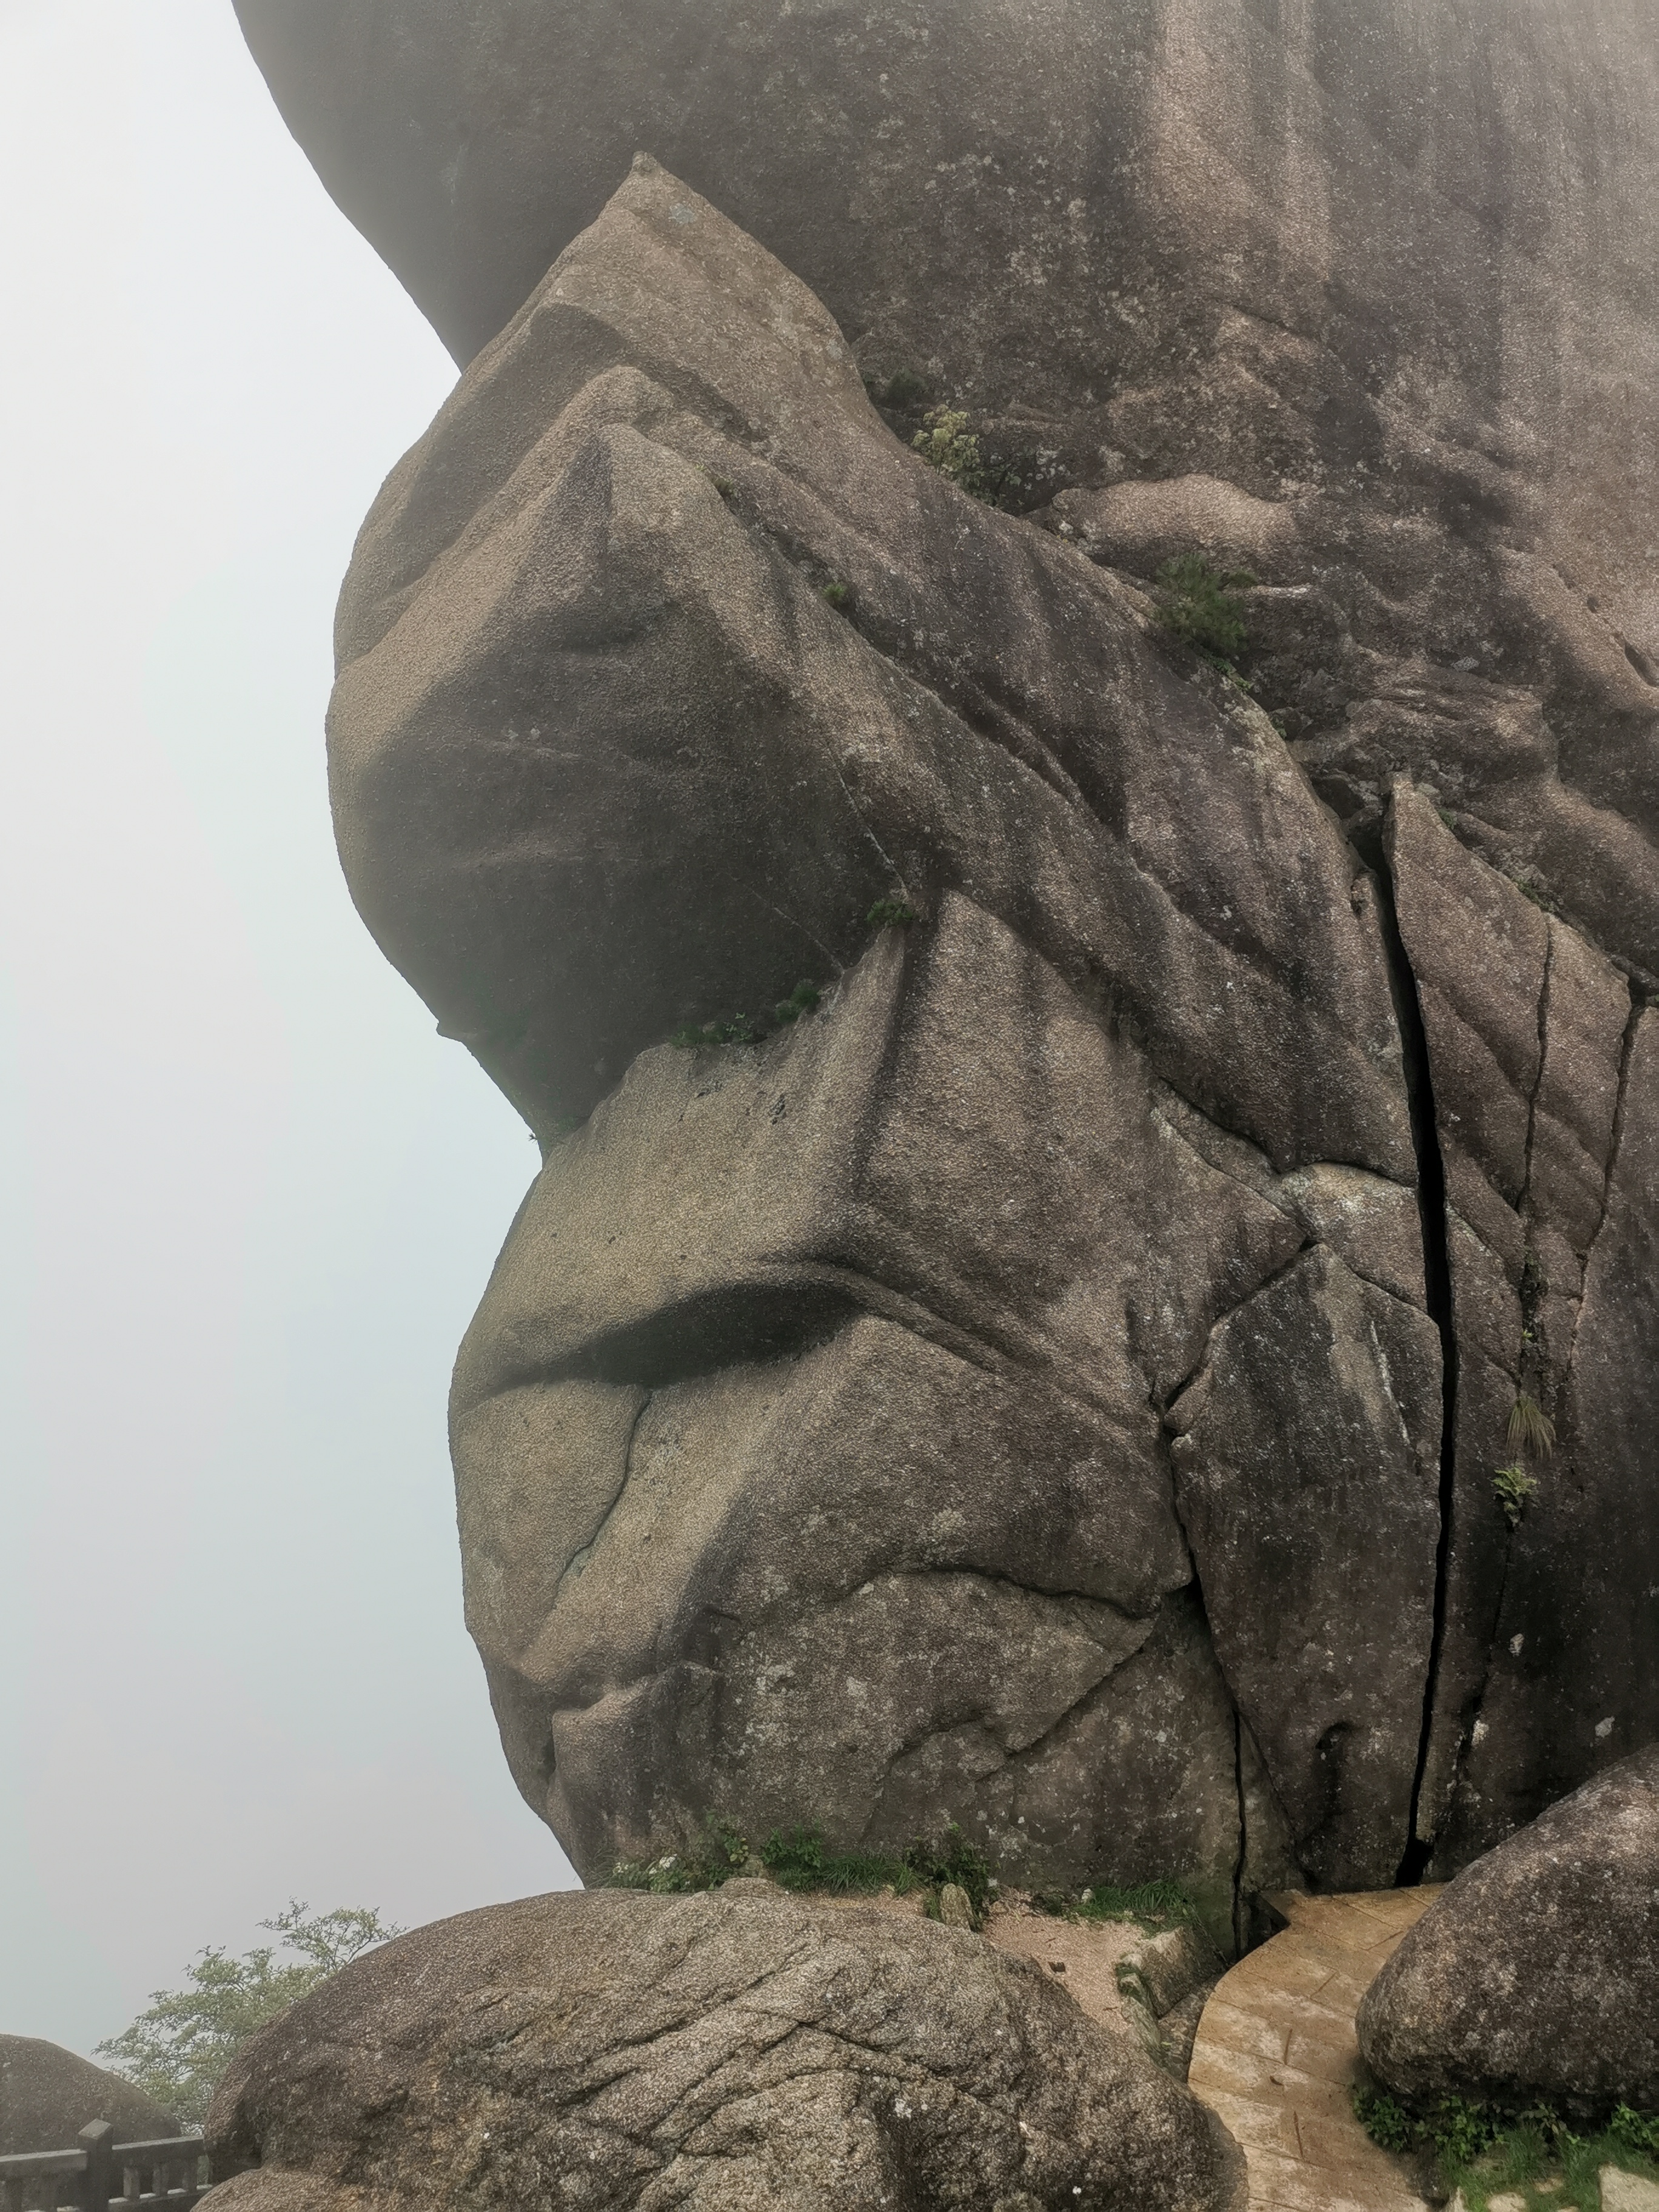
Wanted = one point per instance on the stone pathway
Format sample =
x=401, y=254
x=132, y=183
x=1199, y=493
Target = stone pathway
x=1275, y=2056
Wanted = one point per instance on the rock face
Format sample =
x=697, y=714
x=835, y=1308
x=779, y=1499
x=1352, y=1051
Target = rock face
x=47, y=2095
x=1363, y=296
x=1535, y=1974
x=859, y=1343
x=714, y=2051
x=1064, y=1382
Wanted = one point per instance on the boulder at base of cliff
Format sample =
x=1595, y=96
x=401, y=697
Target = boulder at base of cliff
x=613, y=2049
x=1535, y=1975
x=47, y=2095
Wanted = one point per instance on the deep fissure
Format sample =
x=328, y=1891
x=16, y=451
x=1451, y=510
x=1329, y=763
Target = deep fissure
x=1436, y=1278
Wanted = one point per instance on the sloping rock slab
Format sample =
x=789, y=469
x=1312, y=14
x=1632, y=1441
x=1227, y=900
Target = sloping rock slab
x=613, y=2049
x=1536, y=1974
x=47, y=2095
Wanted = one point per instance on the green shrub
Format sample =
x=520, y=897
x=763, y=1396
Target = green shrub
x=1197, y=604
x=835, y=595
x=1384, y=2120
x=946, y=443
x=1636, y=2131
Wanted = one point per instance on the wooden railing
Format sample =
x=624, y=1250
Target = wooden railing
x=102, y=2175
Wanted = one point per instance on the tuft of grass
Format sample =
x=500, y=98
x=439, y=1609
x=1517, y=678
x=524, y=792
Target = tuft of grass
x=797, y=1858
x=801, y=1000
x=721, y=1853
x=1515, y=1489
x=835, y=595
x=1530, y=1427
x=1152, y=1904
x=1197, y=603
x=892, y=914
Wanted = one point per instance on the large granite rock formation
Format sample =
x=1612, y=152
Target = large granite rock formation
x=48, y=2094
x=720, y=2051
x=1535, y=1977
x=1060, y=1382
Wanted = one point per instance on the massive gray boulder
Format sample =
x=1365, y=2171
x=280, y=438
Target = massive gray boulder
x=810, y=1436
x=48, y=2094
x=731, y=2050
x=1062, y=1381
x=1535, y=1975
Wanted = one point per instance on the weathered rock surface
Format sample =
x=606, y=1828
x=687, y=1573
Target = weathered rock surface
x=48, y=2094
x=1361, y=296
x=859, y=1343
x=1060, y=1383
x=1015, y=1391
x=711, y=2050
x=1535, y=1974
x=1542, y=1069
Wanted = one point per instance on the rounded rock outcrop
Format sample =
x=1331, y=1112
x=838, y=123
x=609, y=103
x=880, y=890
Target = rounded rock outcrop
x=48, y=2094
x=1535, y=1977
x=614, y=2049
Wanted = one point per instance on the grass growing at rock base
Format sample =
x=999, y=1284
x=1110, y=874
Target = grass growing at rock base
x=798, y=1859
x=1154, y=1905
x=1535, y=2155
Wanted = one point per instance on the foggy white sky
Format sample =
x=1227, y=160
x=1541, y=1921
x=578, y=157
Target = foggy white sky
x=247, y=1197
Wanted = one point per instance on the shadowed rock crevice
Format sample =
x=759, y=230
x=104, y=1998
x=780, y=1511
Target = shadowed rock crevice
x=1436, y=1277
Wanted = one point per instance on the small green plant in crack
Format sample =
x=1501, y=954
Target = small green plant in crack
x=835, y=595
x=749, y=1028
x=723, y=485
x=892, y=914
x=1198, y=605
x=1531, y=1428
x=1515, y=1489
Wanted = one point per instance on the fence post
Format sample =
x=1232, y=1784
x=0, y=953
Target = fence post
x=97, y=2139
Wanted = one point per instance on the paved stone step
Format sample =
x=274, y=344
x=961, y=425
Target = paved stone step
x=1276, y=2056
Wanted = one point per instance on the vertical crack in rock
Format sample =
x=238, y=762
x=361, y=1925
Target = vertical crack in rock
x=1437, y=1276
x=1240, y=1932
x=1538, y=1080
